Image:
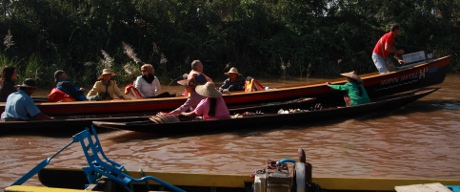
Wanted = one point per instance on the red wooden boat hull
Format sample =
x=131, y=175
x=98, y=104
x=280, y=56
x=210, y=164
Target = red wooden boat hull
x=428, y=73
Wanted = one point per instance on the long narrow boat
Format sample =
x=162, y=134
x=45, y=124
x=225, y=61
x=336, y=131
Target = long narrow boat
x=408, y=77
x=78, y=122
x=60, y=178
x=105, y=174
x=268, y=120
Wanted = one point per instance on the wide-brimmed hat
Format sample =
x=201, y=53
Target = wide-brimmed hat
x=352, y=75
x=234, y=71
x=105, y=72
x=185, y=82
x=29, y=82
x=208, y=90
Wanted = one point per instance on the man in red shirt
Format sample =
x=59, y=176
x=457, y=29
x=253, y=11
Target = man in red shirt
x=384, y=47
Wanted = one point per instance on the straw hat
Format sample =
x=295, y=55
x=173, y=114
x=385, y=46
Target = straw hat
x=185, y=82
x=233, y=70
x=29, y=82
x=208, y=90
x=352, y=75
x=105, y=72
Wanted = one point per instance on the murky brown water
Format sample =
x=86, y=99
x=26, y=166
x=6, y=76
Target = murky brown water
x=419, y=140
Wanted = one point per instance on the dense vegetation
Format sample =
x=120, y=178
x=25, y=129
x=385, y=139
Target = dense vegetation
x=263, y=38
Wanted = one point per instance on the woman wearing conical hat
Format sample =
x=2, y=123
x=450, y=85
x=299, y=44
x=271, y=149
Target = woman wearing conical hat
x=211, y=107
x=193, y=99
x=356, y=92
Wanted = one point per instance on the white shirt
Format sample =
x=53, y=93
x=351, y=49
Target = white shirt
x=147, y=89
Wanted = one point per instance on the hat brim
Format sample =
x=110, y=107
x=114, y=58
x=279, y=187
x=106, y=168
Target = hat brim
x=28, y=86
x=204, y=91
x=102, y=75
x=183, y=82
x=239, y=74
x=352, y=76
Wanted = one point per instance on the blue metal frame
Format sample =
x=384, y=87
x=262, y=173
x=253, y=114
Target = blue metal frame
x=100, y=164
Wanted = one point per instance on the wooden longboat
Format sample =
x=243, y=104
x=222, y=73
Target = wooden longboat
x=75, y=123
x=71, y=178
x=262, y=121
x=408, y=77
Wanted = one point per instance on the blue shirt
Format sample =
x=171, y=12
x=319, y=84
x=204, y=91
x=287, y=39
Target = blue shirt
x=18, y=105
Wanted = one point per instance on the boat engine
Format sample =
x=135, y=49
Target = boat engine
x=276, y=177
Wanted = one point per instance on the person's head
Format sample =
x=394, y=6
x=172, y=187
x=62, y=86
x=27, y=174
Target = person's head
x=208, y=90
x=147, y=70
x=8, y=73
x=189, y=85
x=106, y=75
x=59, y=74
x=395, y=29
x=233, y=74
x=352, y=76
x=28, y=86
x=197, y=65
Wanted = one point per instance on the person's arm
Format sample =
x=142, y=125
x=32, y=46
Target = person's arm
x=117, y=90
x=188, y=103
x=225, y=84
x=93, y=90
x=190, y=114
x=138, y=85
x=396, y=52
x=42, y=116
x=157, y=84
x=336, y=87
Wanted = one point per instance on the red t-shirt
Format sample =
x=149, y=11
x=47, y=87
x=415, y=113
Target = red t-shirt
x=387, y=38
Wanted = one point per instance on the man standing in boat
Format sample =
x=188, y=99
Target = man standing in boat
x=384, y=47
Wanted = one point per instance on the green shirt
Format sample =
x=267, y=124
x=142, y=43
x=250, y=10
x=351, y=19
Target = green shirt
x=353, y=93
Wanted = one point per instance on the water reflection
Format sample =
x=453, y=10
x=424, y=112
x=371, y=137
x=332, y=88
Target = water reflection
x=411, y=142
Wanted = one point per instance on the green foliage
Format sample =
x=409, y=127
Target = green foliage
x=285, y=38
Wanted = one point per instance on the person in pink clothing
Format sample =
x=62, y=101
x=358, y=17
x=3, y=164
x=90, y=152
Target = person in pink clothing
x=212, y=107
x=193, y=99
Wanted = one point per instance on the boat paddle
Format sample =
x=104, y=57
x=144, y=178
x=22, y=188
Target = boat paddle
x=39, y=167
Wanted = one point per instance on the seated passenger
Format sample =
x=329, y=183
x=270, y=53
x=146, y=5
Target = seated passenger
x=197, y=69
x=20, y=106
x=211, y=107
x=65, y=85
x=234, y=82
x=356, y=92
x=7, y=82
x=193, y=99
x=148, y=84
x=105, y=89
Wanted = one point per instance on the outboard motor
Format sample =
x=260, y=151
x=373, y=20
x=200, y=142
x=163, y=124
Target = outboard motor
x=276, y=177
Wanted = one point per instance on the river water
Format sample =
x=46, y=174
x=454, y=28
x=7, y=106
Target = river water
x=421, y=139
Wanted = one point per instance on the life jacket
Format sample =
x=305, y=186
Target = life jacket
x=252, y=84
x=132, y=91
x=57, y=95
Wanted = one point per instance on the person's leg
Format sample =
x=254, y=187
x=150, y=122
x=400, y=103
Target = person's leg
x=94, y=98
x=379, y=63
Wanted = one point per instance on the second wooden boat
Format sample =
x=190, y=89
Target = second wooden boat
x=72, y=124
x=268, y=120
